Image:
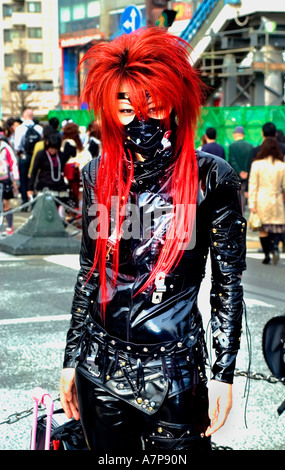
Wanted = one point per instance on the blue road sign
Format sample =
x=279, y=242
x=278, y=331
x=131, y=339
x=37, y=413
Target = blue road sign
x=131, y=19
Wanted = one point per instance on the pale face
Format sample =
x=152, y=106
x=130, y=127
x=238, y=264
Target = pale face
x=125, y=110
x=52, y=151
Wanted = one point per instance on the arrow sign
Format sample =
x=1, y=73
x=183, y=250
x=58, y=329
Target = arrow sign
x=131, y=19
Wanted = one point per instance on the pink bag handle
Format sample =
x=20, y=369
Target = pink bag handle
x=41, y=396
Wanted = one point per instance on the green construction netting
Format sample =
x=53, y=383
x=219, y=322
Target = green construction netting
x=223, y=119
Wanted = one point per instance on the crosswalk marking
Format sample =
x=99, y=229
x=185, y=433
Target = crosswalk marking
x=45, y=318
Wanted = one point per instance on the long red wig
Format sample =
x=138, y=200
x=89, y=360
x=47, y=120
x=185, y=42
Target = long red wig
x=155, y=61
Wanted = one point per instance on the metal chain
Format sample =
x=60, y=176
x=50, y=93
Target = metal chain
x=13, y=418
x=258, y=376
x=19, y=208
x=32, y=201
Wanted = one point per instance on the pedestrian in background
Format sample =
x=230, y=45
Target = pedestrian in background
x=12, y=124
x=40, y=145
x=26, y=135
x=280, y=136
x=72, y=146
x=240, y=153
x=268, y=130
x=265, y=196
x=211, y=145
x=92, y=140
x=9, y=179
x=48, y=169
x=136, y=346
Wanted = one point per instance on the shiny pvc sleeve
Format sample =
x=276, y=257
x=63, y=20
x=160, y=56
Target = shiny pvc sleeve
x=228, y=252
x=84, y=290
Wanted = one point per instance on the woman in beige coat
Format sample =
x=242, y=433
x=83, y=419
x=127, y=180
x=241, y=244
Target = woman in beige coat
x=265, y=196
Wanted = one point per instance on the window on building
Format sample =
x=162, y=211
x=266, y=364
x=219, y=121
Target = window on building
x=78, y=12
x=65, y=14
x=8, y=36
x=7, y=10
x=35, y=58
x=34, y=7
x=93, y=9
x=19, y=31
x=78, y=15
x=35, y=33
x=19, y=7
x=9, y=60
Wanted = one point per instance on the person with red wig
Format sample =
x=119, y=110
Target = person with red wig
x=135, y=360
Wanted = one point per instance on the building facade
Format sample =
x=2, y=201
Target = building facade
x=42, y=42
x=82, y=23
x=29, y=57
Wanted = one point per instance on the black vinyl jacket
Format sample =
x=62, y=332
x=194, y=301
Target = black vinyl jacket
x=170, y=313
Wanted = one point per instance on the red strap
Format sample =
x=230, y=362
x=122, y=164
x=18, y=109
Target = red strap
x=55, y=444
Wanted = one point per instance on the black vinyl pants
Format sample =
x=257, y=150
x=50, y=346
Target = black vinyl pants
x=112, y=425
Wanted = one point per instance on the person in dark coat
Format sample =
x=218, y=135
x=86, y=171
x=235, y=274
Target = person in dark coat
x=211, y=145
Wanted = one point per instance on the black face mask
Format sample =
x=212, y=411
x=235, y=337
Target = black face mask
x=146, y=137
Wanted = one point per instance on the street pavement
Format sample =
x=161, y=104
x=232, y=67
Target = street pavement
x=36, y=298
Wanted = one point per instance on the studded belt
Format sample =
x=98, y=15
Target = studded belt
x=174, y=347
x=141, y=375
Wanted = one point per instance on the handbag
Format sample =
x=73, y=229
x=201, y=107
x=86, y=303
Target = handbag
x=254, y=222
x=65, y=434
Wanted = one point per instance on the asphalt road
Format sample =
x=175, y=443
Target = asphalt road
x=35, y=303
